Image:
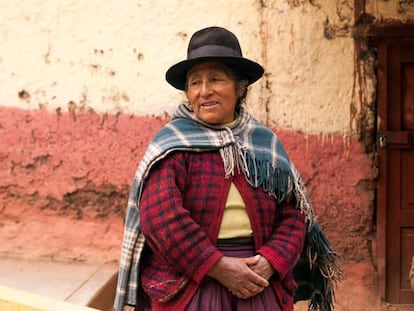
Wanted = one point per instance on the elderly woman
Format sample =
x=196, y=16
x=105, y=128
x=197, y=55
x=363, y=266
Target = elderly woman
x=217, y=214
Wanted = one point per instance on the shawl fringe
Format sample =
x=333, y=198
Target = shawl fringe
x=319, y=269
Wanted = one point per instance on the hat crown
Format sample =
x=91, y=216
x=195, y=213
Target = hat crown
x=213, y=41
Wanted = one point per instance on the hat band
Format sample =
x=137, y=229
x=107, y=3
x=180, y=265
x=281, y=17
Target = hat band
x=213, y=51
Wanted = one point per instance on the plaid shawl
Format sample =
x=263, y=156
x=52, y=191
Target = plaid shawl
x=256, y=151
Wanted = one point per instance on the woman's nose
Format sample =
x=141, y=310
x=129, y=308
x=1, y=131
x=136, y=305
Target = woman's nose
x=205, y=89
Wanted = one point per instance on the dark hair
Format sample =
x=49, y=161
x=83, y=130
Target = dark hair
x=241, y=83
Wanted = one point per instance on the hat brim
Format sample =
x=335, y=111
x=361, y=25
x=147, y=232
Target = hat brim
x=176, y=75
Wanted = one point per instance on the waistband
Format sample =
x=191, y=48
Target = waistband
x=235, y=241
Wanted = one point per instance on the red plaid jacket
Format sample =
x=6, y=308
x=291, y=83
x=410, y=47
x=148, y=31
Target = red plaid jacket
x=181, y=208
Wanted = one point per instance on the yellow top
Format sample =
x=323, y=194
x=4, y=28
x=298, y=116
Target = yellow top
x=235, y=222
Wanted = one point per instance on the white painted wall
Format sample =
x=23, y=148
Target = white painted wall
x=111, y=56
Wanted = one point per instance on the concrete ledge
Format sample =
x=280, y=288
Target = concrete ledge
x=104, y=298
x=12, y=299
x=82, y=284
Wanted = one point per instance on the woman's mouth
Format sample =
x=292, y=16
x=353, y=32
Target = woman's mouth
x=209, y=104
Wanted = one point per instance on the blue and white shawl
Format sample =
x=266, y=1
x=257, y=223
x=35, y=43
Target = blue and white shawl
x=255, y=150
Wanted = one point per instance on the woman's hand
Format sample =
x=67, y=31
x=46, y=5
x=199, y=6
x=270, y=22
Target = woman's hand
x=236, y=275
x=262, y=267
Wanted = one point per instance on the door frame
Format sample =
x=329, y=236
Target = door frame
x=382, y=37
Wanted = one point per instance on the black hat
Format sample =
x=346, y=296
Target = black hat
x=218, y=44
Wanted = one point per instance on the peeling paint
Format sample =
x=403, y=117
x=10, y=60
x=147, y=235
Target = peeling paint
x=24, y=95
x=363, y=103
x=332, y=31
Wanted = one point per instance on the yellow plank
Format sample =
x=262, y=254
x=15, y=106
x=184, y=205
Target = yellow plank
x=16, y=300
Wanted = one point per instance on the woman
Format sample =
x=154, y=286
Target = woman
x=217, y=214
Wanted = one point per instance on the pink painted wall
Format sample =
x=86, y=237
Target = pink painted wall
x=59, y=161
x=80, y=166
x=64, y=181
x=339, y=179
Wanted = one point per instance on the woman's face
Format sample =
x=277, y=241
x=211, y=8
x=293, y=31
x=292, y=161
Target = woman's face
x=212, y=93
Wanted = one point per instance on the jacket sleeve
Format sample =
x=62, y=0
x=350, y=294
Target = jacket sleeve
x=283, y=250
x=168, y=226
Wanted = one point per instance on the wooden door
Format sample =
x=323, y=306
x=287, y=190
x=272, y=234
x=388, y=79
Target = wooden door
x=395, y=140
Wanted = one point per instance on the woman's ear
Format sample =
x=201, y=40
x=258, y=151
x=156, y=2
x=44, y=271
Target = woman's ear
x=187, y=102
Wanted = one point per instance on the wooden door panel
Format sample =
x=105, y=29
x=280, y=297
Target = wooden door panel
x=408, y=97
x=406, y=223
x=407, y=180
x=407, y=242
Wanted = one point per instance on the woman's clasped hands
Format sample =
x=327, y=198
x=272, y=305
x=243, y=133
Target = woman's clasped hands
x=243, y=277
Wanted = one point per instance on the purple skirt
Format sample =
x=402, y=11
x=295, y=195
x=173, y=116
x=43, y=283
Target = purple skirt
x=212, y=296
